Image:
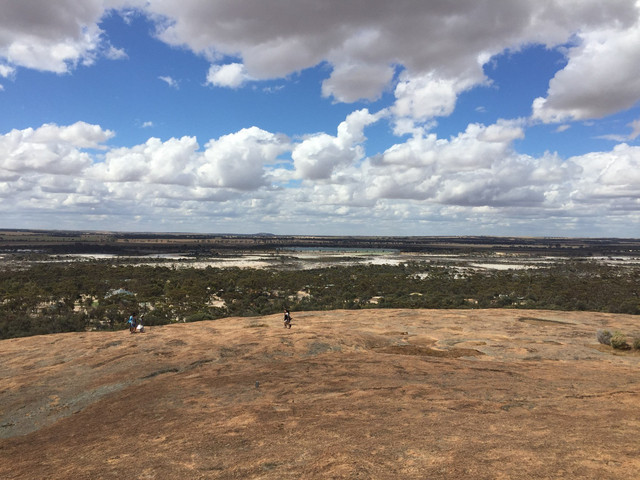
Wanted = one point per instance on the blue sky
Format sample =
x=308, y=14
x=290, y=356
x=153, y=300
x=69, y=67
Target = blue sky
x=307, y=117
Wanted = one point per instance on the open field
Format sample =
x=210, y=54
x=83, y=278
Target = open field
x=206, y=244
x=24, y=247
x=384, y=394
x=313, y=259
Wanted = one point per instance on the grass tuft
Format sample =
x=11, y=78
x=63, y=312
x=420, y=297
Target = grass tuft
x=619, y=341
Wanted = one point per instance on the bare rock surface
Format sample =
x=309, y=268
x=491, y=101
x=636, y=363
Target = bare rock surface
x=381, y=394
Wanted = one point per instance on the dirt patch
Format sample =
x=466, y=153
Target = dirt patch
x=616, y=351
x=541, y=321
x=429, y=352
x=161, y=372
x=317, y=348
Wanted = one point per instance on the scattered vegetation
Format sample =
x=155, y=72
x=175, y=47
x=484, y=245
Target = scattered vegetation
x=619, y=341
x=94, y=295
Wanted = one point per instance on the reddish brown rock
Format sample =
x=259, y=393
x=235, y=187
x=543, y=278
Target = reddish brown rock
x=412, y=394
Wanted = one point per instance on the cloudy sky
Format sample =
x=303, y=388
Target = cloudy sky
x=359, y=117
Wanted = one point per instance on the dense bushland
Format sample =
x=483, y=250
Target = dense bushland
x=54, y=297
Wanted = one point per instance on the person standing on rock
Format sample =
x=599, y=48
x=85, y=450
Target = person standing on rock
x=132, y=323
x=287, y=319
x=140, y=326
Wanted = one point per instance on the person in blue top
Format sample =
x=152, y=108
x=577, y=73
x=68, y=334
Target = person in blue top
x=132, y=323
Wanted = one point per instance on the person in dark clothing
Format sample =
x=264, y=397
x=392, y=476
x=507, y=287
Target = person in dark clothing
x=287, y=319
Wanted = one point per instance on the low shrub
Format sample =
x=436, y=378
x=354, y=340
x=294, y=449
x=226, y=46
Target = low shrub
x=636, y=343
x=198, y=317
x=604, y=337
x=619, y=341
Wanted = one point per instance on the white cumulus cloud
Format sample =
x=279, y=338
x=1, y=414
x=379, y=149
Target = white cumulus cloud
x=154, y=162
x=439, y=47
x=475, y=178
x=600, y=78
x=50, y=148
x=56, y=36
x=6, y=70
x=426, y=96
x=317, y=156
x=231, y=75
x=610, y=178
x=238, y=160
